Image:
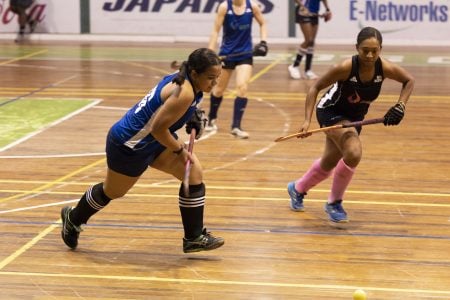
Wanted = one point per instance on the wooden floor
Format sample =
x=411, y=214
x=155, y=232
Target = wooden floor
x=396, y=246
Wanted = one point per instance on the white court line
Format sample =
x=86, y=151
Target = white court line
x=49, y=125
x=37, y=206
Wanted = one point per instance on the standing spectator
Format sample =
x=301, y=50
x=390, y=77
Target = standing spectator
x=307, y=16
x=19, y=7
x=355, y=84
x=145, y=136
x=236, y=17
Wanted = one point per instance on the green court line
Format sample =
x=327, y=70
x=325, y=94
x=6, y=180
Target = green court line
x=150, y=54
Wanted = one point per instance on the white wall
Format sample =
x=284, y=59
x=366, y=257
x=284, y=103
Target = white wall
x=402, y=22
x=55, y=16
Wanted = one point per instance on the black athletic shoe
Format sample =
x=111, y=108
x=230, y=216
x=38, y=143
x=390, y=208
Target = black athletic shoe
x=69, y=232
x=206, y=241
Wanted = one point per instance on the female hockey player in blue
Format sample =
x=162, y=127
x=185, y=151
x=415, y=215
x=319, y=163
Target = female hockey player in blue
x=145, y=136
x=236, y=17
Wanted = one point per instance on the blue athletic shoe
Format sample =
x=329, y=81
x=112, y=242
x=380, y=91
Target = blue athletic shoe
x=336, y=212
x=296, y=197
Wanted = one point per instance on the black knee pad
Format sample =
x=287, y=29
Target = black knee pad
x=99, y=195
x=195, y=191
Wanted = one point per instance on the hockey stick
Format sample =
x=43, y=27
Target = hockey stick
x=352, y=124
x=187, y=168
x=175, y=65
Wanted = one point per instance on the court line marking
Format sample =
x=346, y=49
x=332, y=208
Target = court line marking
x=27, y=246
x=230, y=282
x=226, y=198
x=52, y=183
x=54, y=123
x=23, y=57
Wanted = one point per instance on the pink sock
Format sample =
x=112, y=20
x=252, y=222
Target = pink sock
x=342, y=176
x=312, y=177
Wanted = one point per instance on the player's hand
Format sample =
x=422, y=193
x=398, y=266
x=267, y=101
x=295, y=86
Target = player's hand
x=260, y=49
x=197, y=121
x=304, y=11
x=304, y=129
x=394, y=115
x=327, y=16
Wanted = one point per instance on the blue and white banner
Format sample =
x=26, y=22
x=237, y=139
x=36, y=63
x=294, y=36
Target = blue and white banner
x=413, y=21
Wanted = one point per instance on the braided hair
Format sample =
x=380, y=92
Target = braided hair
x=199, y=61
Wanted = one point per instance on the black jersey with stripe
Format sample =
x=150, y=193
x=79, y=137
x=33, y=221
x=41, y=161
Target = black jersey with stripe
x=352, y=97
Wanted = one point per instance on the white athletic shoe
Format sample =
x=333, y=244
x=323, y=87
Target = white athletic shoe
x=239, y=133
x=310, y=75
x=211, y=125
x=294, y=72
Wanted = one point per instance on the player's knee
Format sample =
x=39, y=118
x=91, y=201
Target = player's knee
x=242, y=90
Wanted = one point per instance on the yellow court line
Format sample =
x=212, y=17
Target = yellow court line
x=22, y=57
x=49, y=184
x=253, y=198
x=27, y=246
x=221, y=187
x=230, y=282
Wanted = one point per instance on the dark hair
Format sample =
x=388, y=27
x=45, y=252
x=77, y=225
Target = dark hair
x=367, y=33
x=199, y=61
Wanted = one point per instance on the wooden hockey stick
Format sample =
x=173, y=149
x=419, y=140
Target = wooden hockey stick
x=352, y=124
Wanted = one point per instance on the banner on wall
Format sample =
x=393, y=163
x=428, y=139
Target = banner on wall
x=399, y=20
x=174, y=17
x=53, y=16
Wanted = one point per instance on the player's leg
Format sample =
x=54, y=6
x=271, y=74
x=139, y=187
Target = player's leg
x=243, y=74
x=310, y=38
x=217, y=97
x=349, y=145
x=196, y=238
x=93, y=200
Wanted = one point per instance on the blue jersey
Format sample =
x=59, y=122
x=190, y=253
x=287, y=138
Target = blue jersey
x=237, y=33
x=312, y=5
x=352, y=97
x=133, y=129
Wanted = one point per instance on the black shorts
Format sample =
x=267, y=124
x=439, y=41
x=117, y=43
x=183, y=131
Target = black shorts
x=231, y=65
x=329, y=117
x=20, y=3
x=131, y=162
x=314, y=20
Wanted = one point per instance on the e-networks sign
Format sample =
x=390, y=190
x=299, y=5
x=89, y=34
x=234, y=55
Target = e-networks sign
x=401, y=19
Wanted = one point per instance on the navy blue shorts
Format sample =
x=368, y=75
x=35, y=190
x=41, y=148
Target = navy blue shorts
x=329, y=117
x=314, y=19
x=131, y=162
x=231, y=65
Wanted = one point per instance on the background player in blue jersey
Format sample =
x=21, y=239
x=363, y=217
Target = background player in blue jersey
x=145, y=136
x=355, y=84
x=307, y=16
x=236, y=17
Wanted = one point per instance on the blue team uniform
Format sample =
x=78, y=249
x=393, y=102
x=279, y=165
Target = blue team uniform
x=313, y=6
x=237, y=33
x=130, y=147
x=350, y=99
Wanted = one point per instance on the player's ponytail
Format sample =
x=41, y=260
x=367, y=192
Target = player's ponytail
x=181, y=75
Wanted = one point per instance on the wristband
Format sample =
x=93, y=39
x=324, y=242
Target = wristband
x=178, y=152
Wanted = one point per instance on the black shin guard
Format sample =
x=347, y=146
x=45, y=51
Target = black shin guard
x=92, y=201
x=191, y=209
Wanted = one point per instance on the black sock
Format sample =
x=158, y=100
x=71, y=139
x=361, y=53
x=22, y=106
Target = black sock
x=191, y=209
x=238, y=113
x=214, y=106
x=92, y=201
x=308, y=62
x=298, y=60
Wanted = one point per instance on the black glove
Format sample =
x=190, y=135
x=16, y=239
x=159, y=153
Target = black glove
x=395, y=114
x=197, y=121
x=260, y=49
